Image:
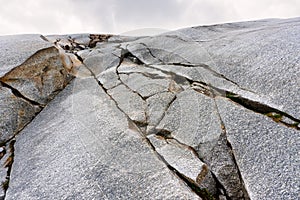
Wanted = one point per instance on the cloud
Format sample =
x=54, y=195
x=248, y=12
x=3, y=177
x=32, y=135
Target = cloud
x=117, y=16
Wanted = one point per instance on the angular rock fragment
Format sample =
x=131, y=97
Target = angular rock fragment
x=83, y=54
x=129, y=102
x=142, y=53
x=40, y=77
x=157, y=105
x=101, y=62
x=113, y=48
x=128, y=67
x=180, y=157
x=145, y=86
x=192, y=119
x=222, y=164
x=208, y=184
x=109, y=78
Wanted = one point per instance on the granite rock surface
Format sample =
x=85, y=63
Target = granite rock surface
x=208, y=112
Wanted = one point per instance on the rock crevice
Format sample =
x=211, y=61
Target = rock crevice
x=189, y=114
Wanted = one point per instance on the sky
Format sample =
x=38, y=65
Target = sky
x=122, y=16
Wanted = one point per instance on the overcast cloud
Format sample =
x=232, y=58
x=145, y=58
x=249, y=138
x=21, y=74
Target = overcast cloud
x=119, y=16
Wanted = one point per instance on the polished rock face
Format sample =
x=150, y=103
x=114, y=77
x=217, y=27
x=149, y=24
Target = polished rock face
x=208, y=112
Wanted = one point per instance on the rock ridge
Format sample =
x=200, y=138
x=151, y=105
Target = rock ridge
x=209, y=112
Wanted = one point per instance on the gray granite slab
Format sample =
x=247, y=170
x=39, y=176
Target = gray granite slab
x=82, y=147
x=129, y=102
x=267, y=154
x=193, y=120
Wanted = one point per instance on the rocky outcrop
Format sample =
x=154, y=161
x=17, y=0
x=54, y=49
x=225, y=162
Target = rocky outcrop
x=208, y=112
x=26, y=89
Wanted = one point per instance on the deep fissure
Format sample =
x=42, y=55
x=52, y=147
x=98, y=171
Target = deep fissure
x=224, y=134
x=201, y=192
x=8, y=164
x=167, y=135
x=263, y=109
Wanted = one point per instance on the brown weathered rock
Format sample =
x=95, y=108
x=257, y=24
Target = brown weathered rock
x=15, y=113
x=16, y=49
x=40, y=77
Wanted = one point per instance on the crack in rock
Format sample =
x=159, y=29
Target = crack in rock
x=202, y=181
x=130, y=103
x=19, y=95
x=244, y=98
x=6, y=160
x=25, y=91
x=200, y=87
x=15, y=112
x=136, y=126
x=193, y=184
x=233, y=184
x=168, y=100
x=254, y=139
x=180, y=158
x=232, y=189
x=157, y=106
x=40, y=77
x=275, y=114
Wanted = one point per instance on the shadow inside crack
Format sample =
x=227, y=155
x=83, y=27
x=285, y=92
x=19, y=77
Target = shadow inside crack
x=276, y=115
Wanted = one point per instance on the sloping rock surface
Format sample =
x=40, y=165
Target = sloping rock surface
x=100, y=156
x=208, y=112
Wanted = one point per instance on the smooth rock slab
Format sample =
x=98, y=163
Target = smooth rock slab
x=109, y=78
x=157, y=105
x=266, y=153
x=101, y=62
x=81, y=147
x=193, y=120
x=145, y=86
x=260, y=56
x=131, y=103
